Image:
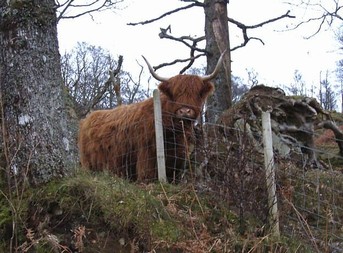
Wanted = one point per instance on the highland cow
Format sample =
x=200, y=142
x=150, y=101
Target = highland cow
x=122, y=140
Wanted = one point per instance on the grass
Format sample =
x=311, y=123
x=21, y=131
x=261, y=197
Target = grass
x=101, y=213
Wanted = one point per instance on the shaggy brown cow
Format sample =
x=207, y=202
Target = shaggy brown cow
x=122, y=140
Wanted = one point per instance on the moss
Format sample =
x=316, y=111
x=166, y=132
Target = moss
x=337, y=117
x=156, y=216
x=5, y=221
x=13, y=213
x=335, y=161
x=5, y=214
x=127, y=209
x=22, y=13
x=166, y=230
x=152, y=213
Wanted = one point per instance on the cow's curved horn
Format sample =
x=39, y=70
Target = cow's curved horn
x=216, y=69
x=153, y=73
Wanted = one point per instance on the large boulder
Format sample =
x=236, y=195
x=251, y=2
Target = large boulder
x=294, y=120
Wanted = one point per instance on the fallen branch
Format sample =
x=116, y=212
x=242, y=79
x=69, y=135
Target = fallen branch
x=337, y=132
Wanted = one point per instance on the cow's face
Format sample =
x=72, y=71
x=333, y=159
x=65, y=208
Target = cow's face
x=186, y=94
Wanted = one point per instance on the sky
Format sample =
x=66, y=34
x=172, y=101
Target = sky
x=275, y=62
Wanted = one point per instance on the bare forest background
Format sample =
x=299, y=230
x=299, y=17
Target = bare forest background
x=327, y=89
x=44, y=94
x=93, y=78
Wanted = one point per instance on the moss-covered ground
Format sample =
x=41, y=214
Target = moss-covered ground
x=101, y=213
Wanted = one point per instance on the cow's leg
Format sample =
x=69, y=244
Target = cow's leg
x=146, y=165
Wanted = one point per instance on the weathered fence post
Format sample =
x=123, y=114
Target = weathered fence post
x=161, y=164
x=270, y=174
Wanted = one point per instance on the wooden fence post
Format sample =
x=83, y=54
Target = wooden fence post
x=161, y=164
x=270, y=174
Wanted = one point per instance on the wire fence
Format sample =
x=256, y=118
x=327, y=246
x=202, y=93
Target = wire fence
x=310, y=200
x=229, y=162
x=232, y=162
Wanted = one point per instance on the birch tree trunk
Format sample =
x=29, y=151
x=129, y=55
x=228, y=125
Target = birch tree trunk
x=217, y=41
x=37, y=135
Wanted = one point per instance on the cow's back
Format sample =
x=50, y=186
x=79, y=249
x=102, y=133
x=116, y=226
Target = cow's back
x=110, y=139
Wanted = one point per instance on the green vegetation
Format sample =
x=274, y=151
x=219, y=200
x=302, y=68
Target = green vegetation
x=99, y=213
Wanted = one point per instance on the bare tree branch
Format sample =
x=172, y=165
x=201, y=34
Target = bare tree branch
x=183, y=39
x=194, y=41
x=105, y=88
x=190, y=62
x=164, y=35
x=177, y=61
x=167, y=14
x=326, y=15
x=83, y=7
x=337, y=132
x=245, y=28
x=116, y=83
x=136, y=86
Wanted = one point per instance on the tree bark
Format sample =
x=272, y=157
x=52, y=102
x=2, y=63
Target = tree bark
x=37, y=134
x=217, y=41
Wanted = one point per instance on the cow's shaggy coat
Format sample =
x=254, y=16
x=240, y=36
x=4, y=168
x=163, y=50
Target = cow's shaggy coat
x=122, y=140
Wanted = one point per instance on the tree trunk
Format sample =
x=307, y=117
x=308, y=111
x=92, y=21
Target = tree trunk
x=217, y=41
x=37, y=134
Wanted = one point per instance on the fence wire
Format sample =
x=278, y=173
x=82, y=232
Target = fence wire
x=228, y=162
x=310, y=196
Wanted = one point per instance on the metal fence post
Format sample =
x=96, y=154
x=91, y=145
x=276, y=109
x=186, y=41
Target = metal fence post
x=161, y=164
x=270, y=174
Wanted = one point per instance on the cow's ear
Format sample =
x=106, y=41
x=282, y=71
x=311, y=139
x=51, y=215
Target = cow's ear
x=165, y=89
x=206, y=90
